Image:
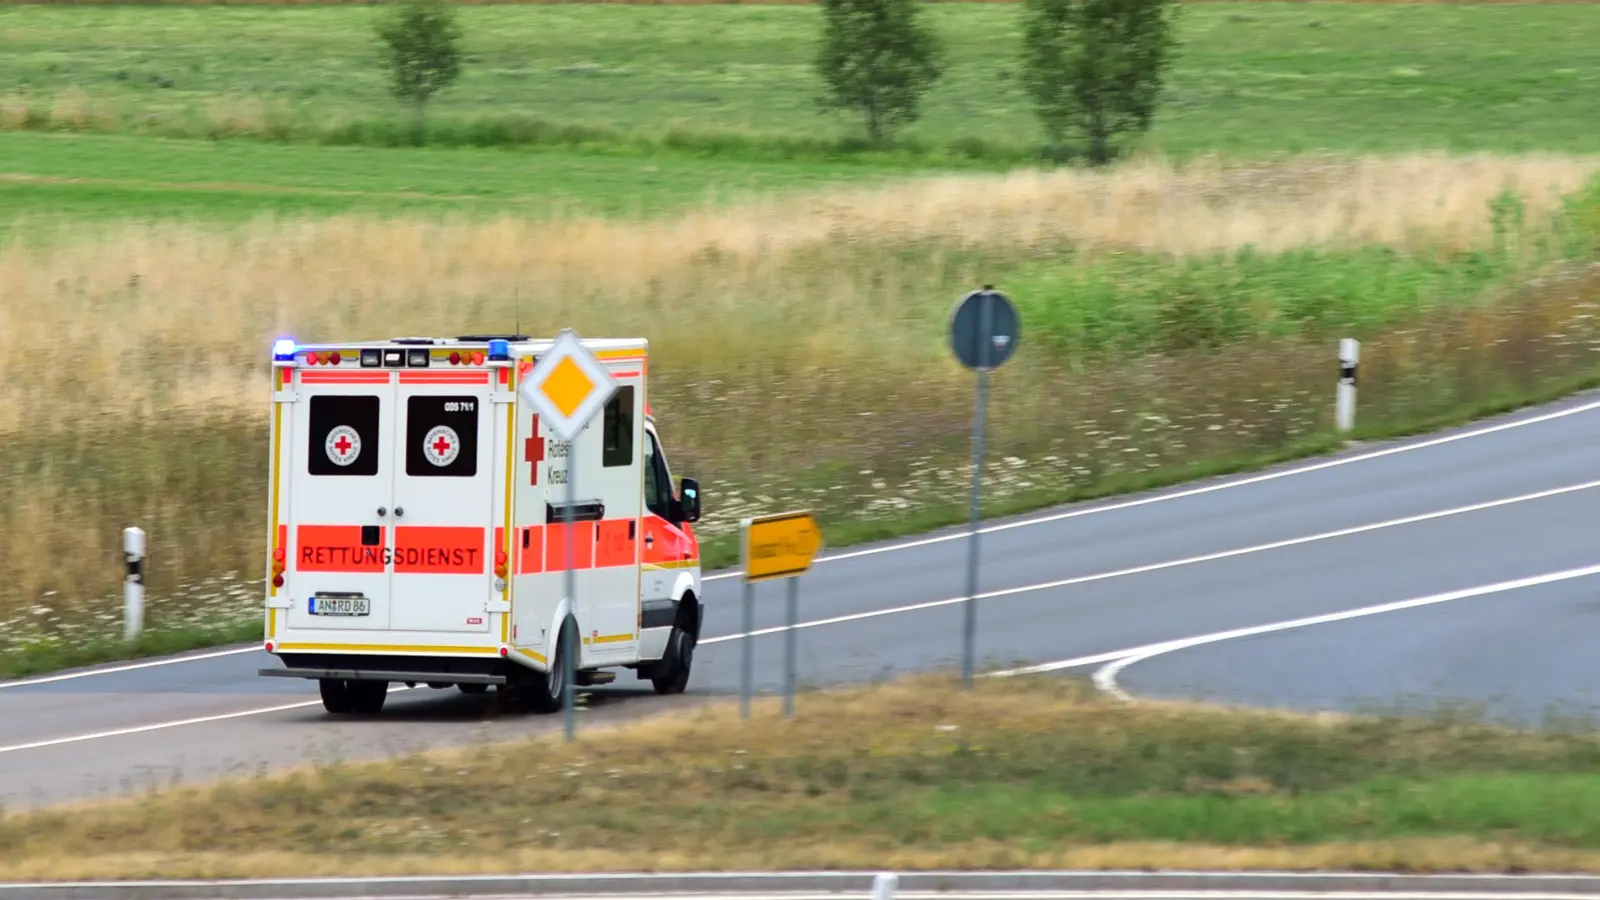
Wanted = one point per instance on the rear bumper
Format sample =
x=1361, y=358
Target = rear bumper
x=413, y=675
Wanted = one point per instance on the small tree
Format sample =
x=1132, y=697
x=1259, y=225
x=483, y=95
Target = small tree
x=1096, y=65
x=420, y=45
x=877, y=59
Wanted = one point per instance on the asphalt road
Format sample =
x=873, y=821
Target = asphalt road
x=1141, y=589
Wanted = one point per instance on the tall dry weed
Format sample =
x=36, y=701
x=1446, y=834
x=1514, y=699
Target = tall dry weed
x=798, y=341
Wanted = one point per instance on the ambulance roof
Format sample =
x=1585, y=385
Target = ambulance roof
x=519, y=343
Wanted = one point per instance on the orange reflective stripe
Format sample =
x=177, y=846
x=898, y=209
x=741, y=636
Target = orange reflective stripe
x=312, y=376
x=335, y=548
x=530, y=551
x=439, y=550
x=613, y=546
x=444, y=377
x=555, y=555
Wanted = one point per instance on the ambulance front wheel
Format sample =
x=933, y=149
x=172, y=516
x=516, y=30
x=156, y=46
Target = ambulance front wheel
x=680, y=656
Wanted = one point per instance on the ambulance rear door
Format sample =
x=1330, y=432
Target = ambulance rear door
x=340, y=480
x=444, y=455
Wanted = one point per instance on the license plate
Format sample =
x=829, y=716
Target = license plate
x=341, y=606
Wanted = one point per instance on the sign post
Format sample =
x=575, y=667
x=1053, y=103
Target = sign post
x=776, y=546
x=983, y=336
x=568, y=385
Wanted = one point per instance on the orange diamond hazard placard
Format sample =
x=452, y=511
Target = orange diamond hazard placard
x=568, y=386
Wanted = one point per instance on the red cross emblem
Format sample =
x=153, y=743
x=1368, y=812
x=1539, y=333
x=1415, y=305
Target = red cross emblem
x=441, y=446
x=343, y=445
x=533, y=452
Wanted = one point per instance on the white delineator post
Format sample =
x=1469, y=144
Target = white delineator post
x=883, y=886
x=133, y=583
x=1345, y=404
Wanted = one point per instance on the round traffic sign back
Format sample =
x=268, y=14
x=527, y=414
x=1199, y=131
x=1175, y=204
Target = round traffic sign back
x=983, y=329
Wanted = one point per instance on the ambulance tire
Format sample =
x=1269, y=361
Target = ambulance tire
x=680, y=656
x=343, y=697
x=540, y=692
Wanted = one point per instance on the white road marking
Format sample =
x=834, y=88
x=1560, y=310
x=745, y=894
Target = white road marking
x=164, y=661
x=1169, y=564
x=159, y=726
x=1193, y=492
x=1106, y=677
x=988, y=529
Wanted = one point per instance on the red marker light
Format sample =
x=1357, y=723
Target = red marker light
x=477, y=358
x=278, y=554
x=334, y=357
x=277, y=580
x=504, y=651
x=269, y=646
x=311, y=358
x=455, y=358
x=499, y=557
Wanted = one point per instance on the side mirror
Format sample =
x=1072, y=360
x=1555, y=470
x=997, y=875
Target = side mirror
x=689, y=499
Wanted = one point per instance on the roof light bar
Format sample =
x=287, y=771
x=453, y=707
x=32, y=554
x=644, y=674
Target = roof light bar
x=283, y=350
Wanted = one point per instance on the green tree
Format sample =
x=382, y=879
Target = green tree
x=878, y=60
x=420, y=42
x=1096, y=66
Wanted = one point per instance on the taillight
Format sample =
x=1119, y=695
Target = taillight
x=311, y=358
x=277, y=580
x=477, y=358
x=455, y=358
x=334, y=357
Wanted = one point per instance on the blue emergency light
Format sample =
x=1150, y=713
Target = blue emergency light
x=499, y=349
x=283, y=350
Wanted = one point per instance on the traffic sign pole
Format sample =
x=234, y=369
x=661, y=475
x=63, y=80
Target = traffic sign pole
x=776, y=546
x=569, y=666
x=788, y=648
x=566, y=409
x=983, y=334
x=747, y=664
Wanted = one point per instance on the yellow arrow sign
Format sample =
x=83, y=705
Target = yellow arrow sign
x=780, y=546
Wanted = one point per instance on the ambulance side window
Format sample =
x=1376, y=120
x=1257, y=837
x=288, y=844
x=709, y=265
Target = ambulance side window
x=657, y=485
x=442, y=436
x=343, y=435
x=617, y=434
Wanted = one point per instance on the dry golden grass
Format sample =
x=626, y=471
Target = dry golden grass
x=832, y=304
x=199, y=303
x=865, y=776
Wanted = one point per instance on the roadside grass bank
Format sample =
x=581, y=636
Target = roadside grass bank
x=799, y=347
x=1251, y=78
x=1037, y=771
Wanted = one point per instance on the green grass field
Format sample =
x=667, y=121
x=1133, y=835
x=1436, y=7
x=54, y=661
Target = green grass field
x=683, y=189
x=1252, y=78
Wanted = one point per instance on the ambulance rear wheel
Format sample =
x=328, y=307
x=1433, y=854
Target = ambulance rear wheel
x=335, y=695
x=367, y=697
x=545, y=690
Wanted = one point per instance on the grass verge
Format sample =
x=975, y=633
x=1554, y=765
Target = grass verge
x=916, y=774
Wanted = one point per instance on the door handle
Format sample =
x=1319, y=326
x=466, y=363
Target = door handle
x=382, y=512
x=399, y=511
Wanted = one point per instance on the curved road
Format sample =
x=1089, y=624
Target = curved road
x=1459, y=566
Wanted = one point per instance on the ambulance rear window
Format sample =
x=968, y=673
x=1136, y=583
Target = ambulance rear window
x=343, y=438
x=442, y=436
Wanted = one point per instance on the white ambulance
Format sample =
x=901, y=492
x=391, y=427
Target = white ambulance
x=417, y=526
